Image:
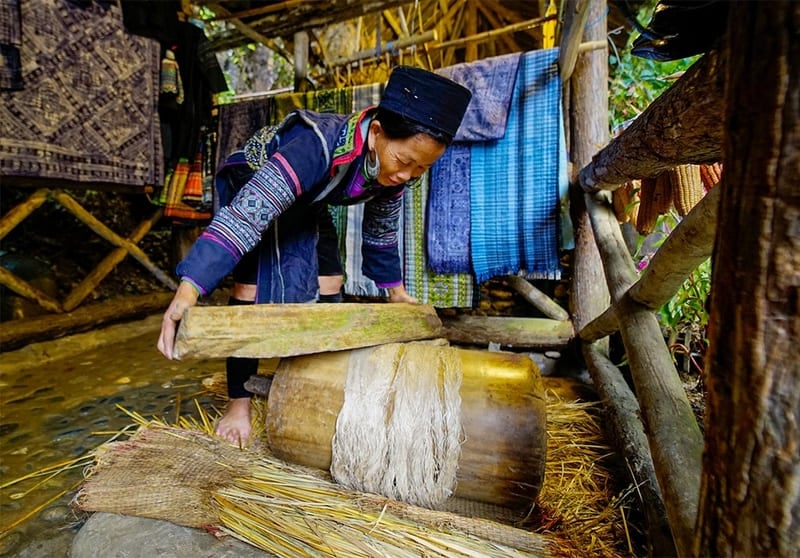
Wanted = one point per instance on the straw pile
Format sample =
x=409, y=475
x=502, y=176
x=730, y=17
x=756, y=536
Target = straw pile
x=191, y=478
x=291, y=510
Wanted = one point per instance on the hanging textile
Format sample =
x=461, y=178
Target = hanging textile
x=87, y=112
x=454, y=290
x=491, y=81
x=514, y=188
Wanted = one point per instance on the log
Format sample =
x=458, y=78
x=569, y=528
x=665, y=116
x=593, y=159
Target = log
x=23, y=288
x=16, y=333
x=675, y=440
x=517, y=333
x=589, y=293
x=536, y=297
x=684, y=125
x=503, y=416
x=281, y=330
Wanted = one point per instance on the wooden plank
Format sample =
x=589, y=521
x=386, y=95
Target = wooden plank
x=518, y=333
x=281, y=330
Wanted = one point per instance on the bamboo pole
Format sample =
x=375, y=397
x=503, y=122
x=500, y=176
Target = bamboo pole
x=684, y=125
x=23, y=288
x=389, y=46
x=536, y=297
x=82, y=290
x=102, y=230
x=20, y=212
x=494, y=33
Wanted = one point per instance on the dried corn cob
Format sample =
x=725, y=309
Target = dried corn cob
x=710, y=175
x=620, y=198
x=648, y=213
x=632, y=209
x=663, y=193
x=687, y=187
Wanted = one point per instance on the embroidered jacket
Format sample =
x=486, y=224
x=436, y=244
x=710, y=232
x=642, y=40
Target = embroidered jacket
x=311, y=158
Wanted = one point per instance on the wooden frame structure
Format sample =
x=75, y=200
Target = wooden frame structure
x=123, y=246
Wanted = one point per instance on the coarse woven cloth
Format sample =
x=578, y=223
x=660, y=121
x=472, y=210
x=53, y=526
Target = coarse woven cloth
x=514, y=181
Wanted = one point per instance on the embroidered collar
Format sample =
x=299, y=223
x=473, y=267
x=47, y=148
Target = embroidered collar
x=350, y=143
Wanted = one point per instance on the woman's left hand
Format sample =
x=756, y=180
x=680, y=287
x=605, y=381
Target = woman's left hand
x=399, y=294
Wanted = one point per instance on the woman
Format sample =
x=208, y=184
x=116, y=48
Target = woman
x=312, y=160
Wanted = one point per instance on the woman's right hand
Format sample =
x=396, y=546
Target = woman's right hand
x=185, y=297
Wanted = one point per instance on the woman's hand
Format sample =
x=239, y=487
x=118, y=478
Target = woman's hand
x=185, y=297
x=399, y=294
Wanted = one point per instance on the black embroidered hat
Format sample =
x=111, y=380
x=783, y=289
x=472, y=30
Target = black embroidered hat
x=427, y=98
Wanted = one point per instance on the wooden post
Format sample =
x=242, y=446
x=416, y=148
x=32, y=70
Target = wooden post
x=751, y=479
x=588, y=115
x=301, y=61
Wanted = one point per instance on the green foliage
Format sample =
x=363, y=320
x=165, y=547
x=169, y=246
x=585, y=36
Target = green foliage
x=635, y=82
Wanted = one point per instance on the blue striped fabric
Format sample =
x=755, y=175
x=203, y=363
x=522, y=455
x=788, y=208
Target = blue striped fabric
x=514, y=184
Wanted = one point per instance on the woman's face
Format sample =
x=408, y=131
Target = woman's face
x=403, y=159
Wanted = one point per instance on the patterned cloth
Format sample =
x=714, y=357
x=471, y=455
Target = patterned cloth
x=492, y=83
x=439, y=290
x=10, y=41
x=88, y=112
x=514, y=187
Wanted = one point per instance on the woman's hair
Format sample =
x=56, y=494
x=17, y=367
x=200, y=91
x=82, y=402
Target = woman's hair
x=397, y=126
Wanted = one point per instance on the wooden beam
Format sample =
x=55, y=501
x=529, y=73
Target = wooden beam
x=23, y=288
x=85, y=287
x=684, y=125
x=588, y=125
x=519, y=333
x=21, y=211
x=471, y=28
x=280, y=330
x=577, y=13
x=536, y=297
x=103, y=231
x=17, y=333
x=268, y=9
x=250, y=33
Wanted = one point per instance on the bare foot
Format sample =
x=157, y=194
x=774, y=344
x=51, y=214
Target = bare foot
x=234, y=425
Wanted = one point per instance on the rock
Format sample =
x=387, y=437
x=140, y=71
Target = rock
x=108, y=534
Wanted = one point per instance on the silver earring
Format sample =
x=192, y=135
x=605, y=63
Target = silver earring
x=372, y=165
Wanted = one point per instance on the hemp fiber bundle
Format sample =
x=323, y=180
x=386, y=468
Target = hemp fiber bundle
x=399, y=429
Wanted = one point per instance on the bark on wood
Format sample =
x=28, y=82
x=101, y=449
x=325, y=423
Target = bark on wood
x=280, y=330
x=536, y=297
x=519, y=333
x=16, y=333
x=684, y=125
x=685, y=248
x=751, y=501
x=589, y=295
x=577, y=13
x=85, y=287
